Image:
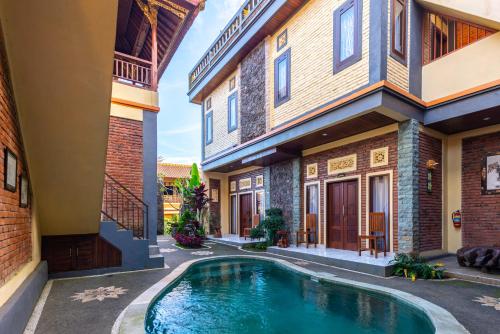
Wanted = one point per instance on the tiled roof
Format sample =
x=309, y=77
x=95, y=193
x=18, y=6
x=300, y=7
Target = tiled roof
x=175, y=171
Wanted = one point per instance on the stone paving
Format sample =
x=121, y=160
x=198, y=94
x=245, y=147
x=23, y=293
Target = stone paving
x=92, y=304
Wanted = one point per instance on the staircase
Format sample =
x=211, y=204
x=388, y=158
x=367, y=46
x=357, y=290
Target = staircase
x=124, y=223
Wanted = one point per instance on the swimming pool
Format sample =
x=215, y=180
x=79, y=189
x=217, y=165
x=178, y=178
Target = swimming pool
x=254, y=296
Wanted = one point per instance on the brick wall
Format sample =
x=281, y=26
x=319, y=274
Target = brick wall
x=430, y=204
x=481, y=213
x=362, y=149
x=221, y=138
x=238, y=177
x=124, y=158
x=15, y=222
x=313, y=82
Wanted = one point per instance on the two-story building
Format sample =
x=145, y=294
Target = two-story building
x=78, y=106
x=340, y=108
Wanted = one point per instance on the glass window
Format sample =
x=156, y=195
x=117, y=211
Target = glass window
x=379, y=200
x=209, y=128
x=259, y=204
x=232, y=112
x=282, y=78
x=234, y=215
x=347, y=46
x=398, y=19
x=312, y=199
x=347, y=34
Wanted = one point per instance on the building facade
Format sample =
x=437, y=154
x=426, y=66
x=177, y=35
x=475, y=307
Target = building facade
x=340, y=108
x=78, y=106
x=168, y=174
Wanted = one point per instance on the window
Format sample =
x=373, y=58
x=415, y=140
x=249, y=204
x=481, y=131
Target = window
x=398, y=30
x=209, y=128
x=169, y=190
x=379, y=202
x=232, y=112
x=259, y=204
x=347, y=35
x=234, y=215
x=312, y=199
x=282, y=78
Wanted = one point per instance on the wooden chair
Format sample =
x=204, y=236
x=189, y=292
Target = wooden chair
x=310, y=233
x=247, y=230
x=376, y=232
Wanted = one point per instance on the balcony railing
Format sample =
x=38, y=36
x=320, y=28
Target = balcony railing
x=132, y=70
x=245, y=15
x=172, y=198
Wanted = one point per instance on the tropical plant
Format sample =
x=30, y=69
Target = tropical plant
x=169, y=225
x=273, y=222
x=257, y=232
x=411, y=264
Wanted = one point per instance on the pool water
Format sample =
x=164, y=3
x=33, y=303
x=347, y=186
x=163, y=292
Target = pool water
x=253, y=296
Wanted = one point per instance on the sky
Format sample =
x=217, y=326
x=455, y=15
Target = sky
x=179, y=121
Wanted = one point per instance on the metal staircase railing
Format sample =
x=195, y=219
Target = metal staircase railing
x=124, y=208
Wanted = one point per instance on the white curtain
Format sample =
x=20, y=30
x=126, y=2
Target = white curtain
x=380, y=200
x=312, y=199
x=347, y=34
x=282, y=82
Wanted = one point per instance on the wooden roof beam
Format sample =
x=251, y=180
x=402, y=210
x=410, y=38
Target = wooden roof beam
x=141, y=36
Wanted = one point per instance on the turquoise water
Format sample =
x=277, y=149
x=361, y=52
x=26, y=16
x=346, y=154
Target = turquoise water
x=251, y=296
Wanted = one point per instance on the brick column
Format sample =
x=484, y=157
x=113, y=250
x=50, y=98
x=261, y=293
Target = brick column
x=408, y=205
x=296, y=180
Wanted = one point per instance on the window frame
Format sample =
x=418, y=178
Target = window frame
x=338, y=65
x=401, y=57
x=229, y=98
x=288, y=56
x=209, y=115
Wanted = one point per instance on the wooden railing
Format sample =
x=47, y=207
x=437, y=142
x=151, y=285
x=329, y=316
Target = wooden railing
x=127, y=210
x=132, y=70
x=172, y=198
x=245, y=15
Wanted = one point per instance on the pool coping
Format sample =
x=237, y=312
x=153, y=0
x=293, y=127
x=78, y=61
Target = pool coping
x=131, y=319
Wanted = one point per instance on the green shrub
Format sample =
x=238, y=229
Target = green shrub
x=258, y=246
x=167, y=227
x=272, y=223
x=410, y=264
x=257, y=232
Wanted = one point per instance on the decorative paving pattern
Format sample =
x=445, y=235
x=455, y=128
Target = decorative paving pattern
x=167, y=250
x=202, y=253
x=99, y=294
x=489, y=301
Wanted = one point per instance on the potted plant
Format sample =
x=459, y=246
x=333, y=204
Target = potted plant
x=273, y=222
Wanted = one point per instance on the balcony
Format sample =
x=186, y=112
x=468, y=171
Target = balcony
x=236, y=27
x=132, y=70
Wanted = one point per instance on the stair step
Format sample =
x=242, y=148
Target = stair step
x=154, y=250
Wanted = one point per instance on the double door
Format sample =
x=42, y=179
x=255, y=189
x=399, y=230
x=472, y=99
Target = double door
x=342, y=215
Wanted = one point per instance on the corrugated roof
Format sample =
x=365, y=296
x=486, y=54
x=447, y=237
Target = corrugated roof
x=175, y=171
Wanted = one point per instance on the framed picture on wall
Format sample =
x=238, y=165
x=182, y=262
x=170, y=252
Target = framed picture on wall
x=10, y=170
x=23, y=191
x=490, y=174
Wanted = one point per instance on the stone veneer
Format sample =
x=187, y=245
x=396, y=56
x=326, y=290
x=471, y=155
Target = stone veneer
x=408, y=199
x=284, y=192
x=253, y=94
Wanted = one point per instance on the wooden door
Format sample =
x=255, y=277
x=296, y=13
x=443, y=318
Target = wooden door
x=85, y=252
x=342, y=215
x=245, y=212
x=58, y=252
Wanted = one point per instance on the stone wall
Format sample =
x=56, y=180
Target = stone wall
x=124, y=160
x=253, y=94
x=481, y=213
x=408, y=206
x=431, y=235
x=284, y=183
x=15, y=222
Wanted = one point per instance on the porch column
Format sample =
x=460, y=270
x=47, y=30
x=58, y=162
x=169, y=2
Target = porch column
x=149, y=172
x=408, y=204
x=154, y=55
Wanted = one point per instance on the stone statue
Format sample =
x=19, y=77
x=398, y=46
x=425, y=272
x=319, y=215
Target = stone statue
x=486, y=258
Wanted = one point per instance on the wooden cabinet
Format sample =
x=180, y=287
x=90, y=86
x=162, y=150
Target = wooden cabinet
x=78, y=252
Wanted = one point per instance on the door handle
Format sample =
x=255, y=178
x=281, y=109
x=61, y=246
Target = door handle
x=343, y=210
x=70, y=252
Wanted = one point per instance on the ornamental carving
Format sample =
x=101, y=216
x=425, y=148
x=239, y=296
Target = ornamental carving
x=245, y=183
x=379, y=157
x=214, y=194
x=259, y=181
x=312, y=171
x=344, y=164
x=232, y=186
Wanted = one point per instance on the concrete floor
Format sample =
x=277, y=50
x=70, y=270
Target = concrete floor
x=64, y=314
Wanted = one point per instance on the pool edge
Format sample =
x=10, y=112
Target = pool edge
x=131, y=319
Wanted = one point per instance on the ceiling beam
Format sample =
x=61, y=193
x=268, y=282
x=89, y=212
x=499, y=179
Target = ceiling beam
x=142, y=33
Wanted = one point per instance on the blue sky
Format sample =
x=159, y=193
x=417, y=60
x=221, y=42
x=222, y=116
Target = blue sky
x=179, y=122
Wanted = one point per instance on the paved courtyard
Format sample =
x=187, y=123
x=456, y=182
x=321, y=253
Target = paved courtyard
x=91, y=304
